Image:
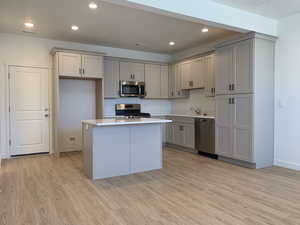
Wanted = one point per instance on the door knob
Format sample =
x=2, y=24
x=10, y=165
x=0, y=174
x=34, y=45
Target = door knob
x=46, y=115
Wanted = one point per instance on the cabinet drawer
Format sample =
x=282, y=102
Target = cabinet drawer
x=182, y=119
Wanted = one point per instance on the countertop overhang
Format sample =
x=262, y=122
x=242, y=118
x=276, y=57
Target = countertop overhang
x=123, y=121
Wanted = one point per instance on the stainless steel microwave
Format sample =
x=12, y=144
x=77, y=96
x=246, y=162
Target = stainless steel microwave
x=132, y=89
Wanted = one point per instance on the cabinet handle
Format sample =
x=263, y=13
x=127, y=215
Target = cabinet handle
x=229, y=87
x=191, y=83
x=229, y=101
x=232, y=87
x=181, y=128
x=212, y=90
x=134, y=76
x=80, y=71
x=233, y=101
x=83, y=71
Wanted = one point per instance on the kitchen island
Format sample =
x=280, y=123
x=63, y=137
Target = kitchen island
x=119, y=146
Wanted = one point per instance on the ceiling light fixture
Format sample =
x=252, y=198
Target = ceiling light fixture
x=29, y=25
x=171, y=43
x=74, y=27
x=93, y=5
x=205, y=30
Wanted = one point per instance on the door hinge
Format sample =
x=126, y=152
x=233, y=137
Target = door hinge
x=9, y=142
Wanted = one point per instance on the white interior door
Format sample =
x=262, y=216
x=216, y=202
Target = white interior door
x=29, y=110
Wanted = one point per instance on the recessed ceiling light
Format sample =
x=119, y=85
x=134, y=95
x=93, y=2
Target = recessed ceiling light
x=204, y=30
x=93, y=5
x=74, y=27
x=171, y=43
x=29, y=25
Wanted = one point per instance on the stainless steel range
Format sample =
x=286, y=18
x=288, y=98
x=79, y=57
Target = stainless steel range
x=130, y=111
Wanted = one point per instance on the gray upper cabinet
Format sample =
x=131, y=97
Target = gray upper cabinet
x=193, y=73
x=153, y=81
x=111, y=78
x=132, y=71
x=234, y=65
x=77, y=65
x=157, y=81
x=69, y=64
x=164, y=81
x=175, y=82
x=243, y=78
x=92, y=66
x=186, y=73
x=209, y=80
x=224, y=68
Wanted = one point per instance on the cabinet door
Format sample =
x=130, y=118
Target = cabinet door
x=164, y=81
x=209, y=76
x=187, y=82
x=243, y=77
x=242, y=127
x=172, y=81
x=224, y=126
x=69, y=64
x=92, y=66
x=111, y=79
x=178, y=134
x=138, y=71
x=152, y=80
x=197, y=73
x=170, y=133
x=189, y=136
x=224, y=66
x=125, y=71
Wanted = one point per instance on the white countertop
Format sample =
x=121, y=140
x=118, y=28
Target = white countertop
x=122, y=121
x=170, y=114
x=187, y=115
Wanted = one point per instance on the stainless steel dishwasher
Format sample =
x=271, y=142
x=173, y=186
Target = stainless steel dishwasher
x=205, y=135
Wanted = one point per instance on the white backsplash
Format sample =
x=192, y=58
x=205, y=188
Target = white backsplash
x=148, y=106
x=197, y=99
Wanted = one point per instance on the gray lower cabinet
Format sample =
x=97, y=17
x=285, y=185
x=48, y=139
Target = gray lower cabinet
x=181, y=132
x=234, y=126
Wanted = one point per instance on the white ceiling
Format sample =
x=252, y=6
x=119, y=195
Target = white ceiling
x=269, y=8
x=110, y=24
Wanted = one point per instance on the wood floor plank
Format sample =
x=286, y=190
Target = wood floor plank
x=189, y=190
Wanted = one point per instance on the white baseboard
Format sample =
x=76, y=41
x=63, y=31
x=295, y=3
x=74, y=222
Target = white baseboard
x=286, y=164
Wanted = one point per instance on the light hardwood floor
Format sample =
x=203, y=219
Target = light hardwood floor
x=189, y=190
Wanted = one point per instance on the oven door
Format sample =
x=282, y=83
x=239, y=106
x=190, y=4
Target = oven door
x=129, y=89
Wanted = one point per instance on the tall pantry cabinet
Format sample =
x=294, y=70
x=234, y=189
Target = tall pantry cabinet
x=86, y=71
x=244, y=70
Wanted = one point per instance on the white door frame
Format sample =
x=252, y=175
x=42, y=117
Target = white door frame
x=5, y=148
